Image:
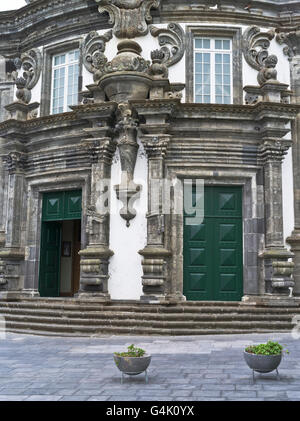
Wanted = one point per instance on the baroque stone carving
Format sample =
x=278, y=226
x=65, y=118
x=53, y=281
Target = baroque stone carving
x=174, y=36
x=292, y=41
x=255, y=49
x=127, y=191
x=14, y=161
x=31, y=63
x=129, y=17
x=92, y=50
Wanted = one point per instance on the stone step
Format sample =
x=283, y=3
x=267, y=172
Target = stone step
x=111, y=330
x=141, y=308
x=159, y=324
x=119, y=315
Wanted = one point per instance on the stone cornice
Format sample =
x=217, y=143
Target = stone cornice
x=178, y=109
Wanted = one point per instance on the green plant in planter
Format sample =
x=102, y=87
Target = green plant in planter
x=132, y=351
x=269, y=348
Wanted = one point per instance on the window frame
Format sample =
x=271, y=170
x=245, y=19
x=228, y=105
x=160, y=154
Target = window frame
x=211, y=32
x=212, y=51
x=47, y=72
x=66, y=66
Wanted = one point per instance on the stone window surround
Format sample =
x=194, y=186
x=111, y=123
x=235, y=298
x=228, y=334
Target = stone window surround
x=237, y=57
x=252, y=283
x=36, y=189
x=49, y=52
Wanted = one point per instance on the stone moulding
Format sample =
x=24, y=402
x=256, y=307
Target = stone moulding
x=174, y=36
x=92, y=49
x=255, y=49
x=129, y=17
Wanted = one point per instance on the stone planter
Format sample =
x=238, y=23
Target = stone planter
x=133, y=366
x=262, y=363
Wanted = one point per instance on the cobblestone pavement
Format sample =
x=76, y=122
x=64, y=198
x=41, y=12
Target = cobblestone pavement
x=202, y=368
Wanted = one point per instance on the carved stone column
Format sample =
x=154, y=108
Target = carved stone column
x=95, y=257
x=156, y=257
x=276, y=265
x=291, y=40
x=12, y=254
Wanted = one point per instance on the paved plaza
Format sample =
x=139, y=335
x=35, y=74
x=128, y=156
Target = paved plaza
x=193, y=368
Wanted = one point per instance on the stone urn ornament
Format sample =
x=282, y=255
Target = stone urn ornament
x=132, y=362
x=264, y=358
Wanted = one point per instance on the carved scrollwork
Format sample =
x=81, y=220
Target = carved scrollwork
x=129, y=17
x=31, y=64
x=255, y=49
x=92, y=49
x=174, y=36
x=292, y=41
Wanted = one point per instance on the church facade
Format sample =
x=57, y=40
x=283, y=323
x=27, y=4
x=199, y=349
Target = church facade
x=150, y=150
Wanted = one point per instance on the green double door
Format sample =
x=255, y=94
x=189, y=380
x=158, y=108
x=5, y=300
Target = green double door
x=213, y=249
x=57, y=207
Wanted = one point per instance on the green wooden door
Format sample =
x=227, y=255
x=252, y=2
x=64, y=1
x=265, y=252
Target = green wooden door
x=57, y=206
x=50, y=259
x=213, y=250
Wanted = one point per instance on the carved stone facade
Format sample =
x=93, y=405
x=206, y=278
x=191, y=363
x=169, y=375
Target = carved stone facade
x=136, y=127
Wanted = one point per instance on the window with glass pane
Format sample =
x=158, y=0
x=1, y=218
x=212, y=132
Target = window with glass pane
x=213, y=70
x=65, y=81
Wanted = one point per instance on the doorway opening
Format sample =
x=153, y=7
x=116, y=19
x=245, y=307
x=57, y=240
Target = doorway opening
x=60, y=244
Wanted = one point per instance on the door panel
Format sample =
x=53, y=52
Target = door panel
x=213, y=267
x=50, y=259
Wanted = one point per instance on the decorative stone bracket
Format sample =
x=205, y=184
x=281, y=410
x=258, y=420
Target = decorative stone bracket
x=127, y=191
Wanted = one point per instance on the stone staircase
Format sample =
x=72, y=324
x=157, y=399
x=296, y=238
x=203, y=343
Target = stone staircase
x=71, y=317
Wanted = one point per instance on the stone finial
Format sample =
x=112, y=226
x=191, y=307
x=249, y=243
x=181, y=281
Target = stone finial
x=129, y=17
x=255, y=49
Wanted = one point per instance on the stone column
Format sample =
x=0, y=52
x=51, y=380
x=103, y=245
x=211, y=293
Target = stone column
x=95, y=257
x=292, y=49
x=12, y=254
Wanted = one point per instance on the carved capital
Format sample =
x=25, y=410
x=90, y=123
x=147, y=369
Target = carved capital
x=291, y=40
x=100, y=150
x=129, y=17
x=15, y=162
x=174, y=36
x=156, y=146
x=92, y=49
x=255, y=49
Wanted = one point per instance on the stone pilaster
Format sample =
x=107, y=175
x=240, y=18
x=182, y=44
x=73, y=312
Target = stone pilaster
x=156, y=256
x=95, y=257
x=291, y=40
x=12, y=254
x=277, y=267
